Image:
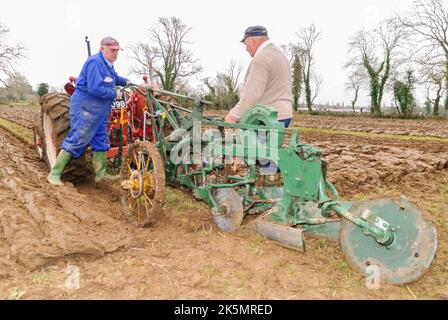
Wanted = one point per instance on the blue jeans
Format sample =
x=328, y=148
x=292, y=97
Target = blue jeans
x=269, y=167
x=287, y=122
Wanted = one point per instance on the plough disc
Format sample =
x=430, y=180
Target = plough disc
x=407, y=258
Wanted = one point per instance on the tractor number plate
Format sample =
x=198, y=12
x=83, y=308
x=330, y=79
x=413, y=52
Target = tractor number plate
x=120, y=103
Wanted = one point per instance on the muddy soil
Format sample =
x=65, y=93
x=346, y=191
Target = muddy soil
x=23, y=115
x=427, y=127
x=432, y=127
x=358, y=164
x=41, y=223
x=45, y=232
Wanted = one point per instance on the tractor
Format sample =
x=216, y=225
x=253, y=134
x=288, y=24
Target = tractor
x=125, y=124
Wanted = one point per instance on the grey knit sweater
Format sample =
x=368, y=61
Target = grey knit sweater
x=268, y=82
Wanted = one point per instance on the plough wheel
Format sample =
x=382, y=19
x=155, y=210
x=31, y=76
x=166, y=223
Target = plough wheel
x=142, y=176
x=407, y=258
x=232, y=218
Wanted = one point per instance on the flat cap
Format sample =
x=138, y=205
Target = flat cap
x=111, y=43
x=254, y=31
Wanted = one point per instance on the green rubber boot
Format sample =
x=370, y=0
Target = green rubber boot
x=61, y=162
x=99, y=161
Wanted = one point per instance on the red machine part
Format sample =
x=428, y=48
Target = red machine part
x=70, y=86
x=137, y=106
x=113, y=127
x=133, y=117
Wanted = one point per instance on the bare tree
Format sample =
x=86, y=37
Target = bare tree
x=434, y=103
x=307, y=38
x=429, y=21
x=145, y=57
x=223, y=90
x=303, y=50
x=169, y=58
x=432, y=75
x=17, y=88
x=9, y=54
x=356, y=79
x=316, y=84
x=375, y=50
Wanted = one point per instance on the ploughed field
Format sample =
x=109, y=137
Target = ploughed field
x=49, y=234
x=421, y=127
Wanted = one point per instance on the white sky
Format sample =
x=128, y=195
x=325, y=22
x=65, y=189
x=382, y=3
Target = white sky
x=54, y=31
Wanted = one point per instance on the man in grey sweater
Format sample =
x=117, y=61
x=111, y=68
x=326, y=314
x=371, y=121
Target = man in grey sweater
x=268, y=79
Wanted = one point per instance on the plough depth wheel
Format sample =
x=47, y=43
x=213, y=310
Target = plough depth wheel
x=143, y=182
x=407, y=257
x=231, y=219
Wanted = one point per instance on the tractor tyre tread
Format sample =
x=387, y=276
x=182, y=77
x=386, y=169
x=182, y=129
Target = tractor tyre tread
x=57, y=107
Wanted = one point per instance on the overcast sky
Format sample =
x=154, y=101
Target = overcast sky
x=54, y=31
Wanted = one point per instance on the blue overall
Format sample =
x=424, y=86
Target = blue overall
x=90, y=106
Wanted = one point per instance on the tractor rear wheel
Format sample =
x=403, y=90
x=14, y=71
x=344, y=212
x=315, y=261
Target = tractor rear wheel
x=55, y=124
x=38, y=138
x=143, y=183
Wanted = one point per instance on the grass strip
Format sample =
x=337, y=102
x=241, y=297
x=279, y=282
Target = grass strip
x=24, y=134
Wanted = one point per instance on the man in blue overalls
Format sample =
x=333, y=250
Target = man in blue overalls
x=90, y=106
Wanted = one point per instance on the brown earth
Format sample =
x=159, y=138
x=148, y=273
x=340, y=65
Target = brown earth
x=359, y=164
x=23, y=115
x=433, y=127
x=427, y=127
x=44, y=229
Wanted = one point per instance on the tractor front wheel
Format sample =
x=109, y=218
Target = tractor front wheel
x=142, y=176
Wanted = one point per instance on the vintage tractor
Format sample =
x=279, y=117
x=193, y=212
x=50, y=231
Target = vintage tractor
x=224, y=165
x=125, y=125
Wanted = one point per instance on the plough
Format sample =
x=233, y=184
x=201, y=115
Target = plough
x=389, y=233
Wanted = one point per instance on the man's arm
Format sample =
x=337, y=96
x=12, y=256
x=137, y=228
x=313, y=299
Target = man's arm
x=120, y=81
x=96, y=85
x=252, y=91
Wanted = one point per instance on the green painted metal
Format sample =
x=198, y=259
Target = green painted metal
x=407, y=257
x=375, y=231
x=274, y=193
x=329, y=230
